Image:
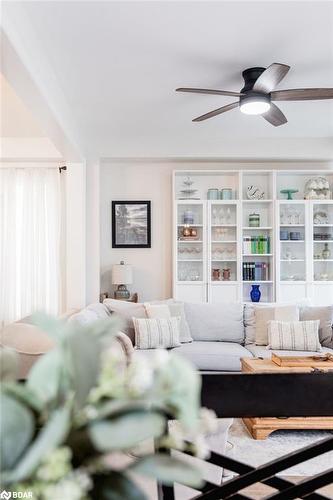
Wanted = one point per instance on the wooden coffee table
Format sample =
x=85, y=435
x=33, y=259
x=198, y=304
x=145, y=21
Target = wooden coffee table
x=260, y=428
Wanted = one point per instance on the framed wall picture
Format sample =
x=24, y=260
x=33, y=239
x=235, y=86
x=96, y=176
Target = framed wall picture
x=131, y=224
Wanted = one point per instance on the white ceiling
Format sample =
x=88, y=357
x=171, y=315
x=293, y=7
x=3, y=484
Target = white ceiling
x=118, y=63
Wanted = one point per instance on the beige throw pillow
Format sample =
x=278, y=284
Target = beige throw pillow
x=325, y=315
x=294, y=335
x=157, y=311
x=265, y=314
x=156, y=333
x=171, y=309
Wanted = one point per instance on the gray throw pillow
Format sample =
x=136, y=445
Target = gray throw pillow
x=177, y=310
x=325, y=315
x=216, y=322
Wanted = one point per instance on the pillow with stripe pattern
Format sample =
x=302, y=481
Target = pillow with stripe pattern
x=155, y=333
x=294, y=335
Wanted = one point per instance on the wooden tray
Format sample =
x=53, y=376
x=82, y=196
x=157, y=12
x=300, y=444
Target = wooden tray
x=316, y=361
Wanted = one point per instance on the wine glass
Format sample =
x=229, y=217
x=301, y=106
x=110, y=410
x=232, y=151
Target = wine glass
x=221, y=216
x=215, y=215
x=228, y=217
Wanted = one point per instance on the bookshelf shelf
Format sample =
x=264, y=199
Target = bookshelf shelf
x=257, y=254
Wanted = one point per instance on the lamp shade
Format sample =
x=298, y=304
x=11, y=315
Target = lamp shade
x=122, y=274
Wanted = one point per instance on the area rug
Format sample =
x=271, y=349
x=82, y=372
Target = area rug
x=242, y=447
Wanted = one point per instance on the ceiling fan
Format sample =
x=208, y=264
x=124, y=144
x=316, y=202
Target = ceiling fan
x=257, y=95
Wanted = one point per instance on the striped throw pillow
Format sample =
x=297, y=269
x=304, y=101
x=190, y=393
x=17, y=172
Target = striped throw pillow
x=156, y=333
x=294, y=335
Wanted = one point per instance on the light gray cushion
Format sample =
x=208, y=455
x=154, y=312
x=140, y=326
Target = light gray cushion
x=91, y=313
x=209, y=356
x=325, y=315
x=215, y=322
x=177, y=309
x=260, y=351
x=249, y=324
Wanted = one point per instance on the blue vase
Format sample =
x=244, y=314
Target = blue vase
x=255, y=293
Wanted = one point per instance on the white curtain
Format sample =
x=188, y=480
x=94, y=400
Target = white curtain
x=30, y=228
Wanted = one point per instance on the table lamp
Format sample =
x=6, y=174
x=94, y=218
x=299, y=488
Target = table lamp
x=122, y=275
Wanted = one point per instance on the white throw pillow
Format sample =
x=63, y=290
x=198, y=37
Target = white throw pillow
x=156, y=333
x=294, y=335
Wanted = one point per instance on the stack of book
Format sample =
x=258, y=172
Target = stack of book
x=255, y=271
x=256, y=245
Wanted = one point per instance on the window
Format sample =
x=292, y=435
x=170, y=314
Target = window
x=30, y=234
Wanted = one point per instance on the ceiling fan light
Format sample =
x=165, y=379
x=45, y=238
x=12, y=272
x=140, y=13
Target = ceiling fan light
x=254, y=107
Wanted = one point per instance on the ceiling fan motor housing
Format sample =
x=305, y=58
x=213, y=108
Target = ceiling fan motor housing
x=250, y=76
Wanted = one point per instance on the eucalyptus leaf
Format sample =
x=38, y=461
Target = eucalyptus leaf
x=16, y=430
x=84, y=357
x=8, y=364
x=105, y=328
x=118, y=407
x=24, y=394
x=168, y=470
x=126, y=431
x=55, y=328
x=52, y=435
x=45, y=376
x=178, y=386
x=115, y=486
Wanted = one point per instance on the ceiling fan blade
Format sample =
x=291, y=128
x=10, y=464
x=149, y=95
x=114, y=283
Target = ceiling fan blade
x=209, y=91
x=271, y=77
x=275, y=116
x=216, y=112
x=302, y=94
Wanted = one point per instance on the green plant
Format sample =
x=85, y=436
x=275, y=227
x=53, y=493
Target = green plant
x=82, y=406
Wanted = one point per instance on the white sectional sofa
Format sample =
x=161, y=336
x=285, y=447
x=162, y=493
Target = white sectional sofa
x=222, y=333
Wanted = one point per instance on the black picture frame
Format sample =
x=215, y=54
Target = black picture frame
x=136, y=211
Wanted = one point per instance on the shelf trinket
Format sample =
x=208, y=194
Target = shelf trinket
x=254, y=220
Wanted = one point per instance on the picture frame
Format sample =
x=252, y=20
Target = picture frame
x=131, y=224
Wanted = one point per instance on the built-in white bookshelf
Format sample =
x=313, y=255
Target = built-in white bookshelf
x=224, y=246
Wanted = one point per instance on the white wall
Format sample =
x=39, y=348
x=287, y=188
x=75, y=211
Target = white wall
x=132, y=181
x=75, y=179
x=152, y=180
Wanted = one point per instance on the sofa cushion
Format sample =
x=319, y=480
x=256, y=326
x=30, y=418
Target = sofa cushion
x=215, y=322
x=294, y=335
x=260, y=351
x=28, y=341
x=155, y=333
x=160, y=311
x=250, y=317
x=265, y=314
x=176, y=309
x=209, y=356
x=325, y=315
x=126, y=311
x=90, y=314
